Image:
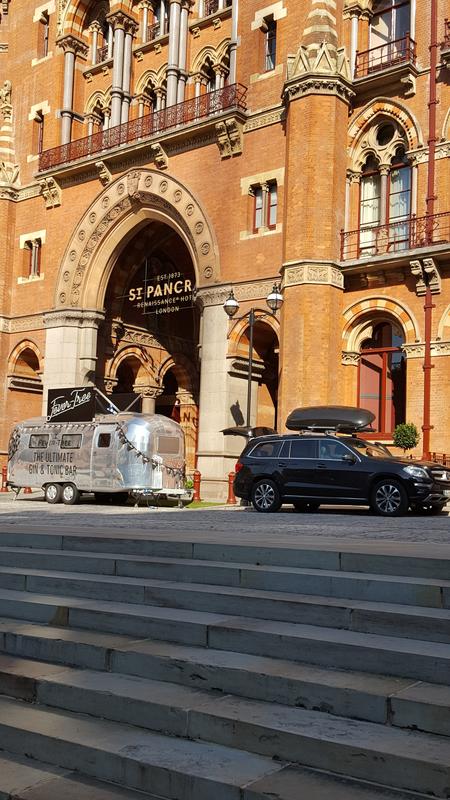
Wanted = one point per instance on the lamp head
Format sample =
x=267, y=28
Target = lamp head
x=231, y=305
x=275, y=298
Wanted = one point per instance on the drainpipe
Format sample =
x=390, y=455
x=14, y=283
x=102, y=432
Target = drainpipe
x=431, y=198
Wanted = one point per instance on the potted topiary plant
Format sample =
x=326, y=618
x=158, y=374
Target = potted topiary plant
x=406, y=436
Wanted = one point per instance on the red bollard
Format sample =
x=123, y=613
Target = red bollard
x=197, y=478
x=4, y=479
x=231, y=500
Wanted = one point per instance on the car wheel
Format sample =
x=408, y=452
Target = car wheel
x=389, y=498
x=70, y=494
x=266, y=496
x=428, y=510
x=53, y=493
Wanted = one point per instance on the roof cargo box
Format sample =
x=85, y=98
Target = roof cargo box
x=338, y=418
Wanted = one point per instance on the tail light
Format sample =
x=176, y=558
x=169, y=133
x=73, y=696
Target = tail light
x=238, y=467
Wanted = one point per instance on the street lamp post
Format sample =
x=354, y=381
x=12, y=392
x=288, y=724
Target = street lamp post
x=231, y=306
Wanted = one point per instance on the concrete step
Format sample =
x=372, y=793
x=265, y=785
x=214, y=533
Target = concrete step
x=165, y=706
x=333, y=583
x=24, y=778
x=345, y=649
x=392, y=619
x=219, y=756
x=346, y=559
x=136, y=759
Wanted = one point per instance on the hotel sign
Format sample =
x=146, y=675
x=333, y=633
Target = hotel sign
x=163, y=294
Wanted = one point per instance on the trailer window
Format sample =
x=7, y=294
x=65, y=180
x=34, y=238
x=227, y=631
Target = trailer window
x=104, y=440
x=39, y=441
x=71, y=441
x=170, y=445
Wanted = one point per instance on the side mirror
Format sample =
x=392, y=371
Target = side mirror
x=349, y=459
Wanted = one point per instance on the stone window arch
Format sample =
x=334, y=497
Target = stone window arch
x=382, y=373
x=24, y=368
x=381, y=191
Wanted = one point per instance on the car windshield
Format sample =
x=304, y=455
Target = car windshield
x=371, y=450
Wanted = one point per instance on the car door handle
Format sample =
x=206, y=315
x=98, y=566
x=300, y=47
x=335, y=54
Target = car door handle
x=322, y=466
x=283, y=464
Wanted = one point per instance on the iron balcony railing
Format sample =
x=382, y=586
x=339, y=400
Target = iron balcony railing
x=212, y=6
x=153, y=32
x=102, y=54
x=446, y=42
x=441, y=458
x=407, y=234
x=400, y=51
x=230, y=97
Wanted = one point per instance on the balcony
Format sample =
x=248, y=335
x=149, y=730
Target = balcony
x=391, y=63
x=445, y=47
x=395, y=238
x=212, y=6
x=149, y=126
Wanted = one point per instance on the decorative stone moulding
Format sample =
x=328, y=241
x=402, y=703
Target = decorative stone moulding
x=229, y=137
x=325, y=274
x=51, y=192
x=426, y=273
x=417, y=350
x=350, y=359
x=122, y=199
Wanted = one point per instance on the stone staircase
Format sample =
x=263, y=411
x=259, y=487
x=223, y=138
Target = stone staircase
x=174, y=670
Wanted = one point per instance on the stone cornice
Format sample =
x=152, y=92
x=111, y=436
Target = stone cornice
x=32, y=322
x=298, y=273
x=313, y=83
x=82, y=318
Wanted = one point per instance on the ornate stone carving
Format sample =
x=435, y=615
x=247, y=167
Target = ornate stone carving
x=426, y=274
x=51, y=192
x=264, y=120
x=304, y=273
x=9, y=173
x=350, y=359
x=409, y=82
x=5, y=101
x=133, y=183
x=229, y=137
x=104, y=175
x=213, y=296
x=159, y=156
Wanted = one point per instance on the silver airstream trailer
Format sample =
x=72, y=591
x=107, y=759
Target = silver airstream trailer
x=113, y=456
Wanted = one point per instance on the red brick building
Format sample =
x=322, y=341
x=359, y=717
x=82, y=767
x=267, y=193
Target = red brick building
x=203, y=145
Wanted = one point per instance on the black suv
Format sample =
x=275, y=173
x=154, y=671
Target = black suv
x=316, y=466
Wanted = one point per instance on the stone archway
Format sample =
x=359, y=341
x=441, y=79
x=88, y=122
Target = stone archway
x=133, y=199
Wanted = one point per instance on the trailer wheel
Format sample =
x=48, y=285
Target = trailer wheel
x=70, y=494
x=53, y=492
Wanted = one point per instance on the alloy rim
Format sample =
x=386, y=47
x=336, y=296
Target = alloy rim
x=264, y=496
x=68, y=492
x=52, y=492
x=388, y=498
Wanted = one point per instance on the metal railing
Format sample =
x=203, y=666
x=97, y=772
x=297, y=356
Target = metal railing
x=400, y=51
x=102, y=54
x=441, y=458
x=212, y=6
x=153, y=31
x=446, y=42
x=197, y=108
x=407, y=234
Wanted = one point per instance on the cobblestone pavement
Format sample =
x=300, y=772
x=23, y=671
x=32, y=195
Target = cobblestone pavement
x=32, y=513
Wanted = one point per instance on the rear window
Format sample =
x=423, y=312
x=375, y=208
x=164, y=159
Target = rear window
x=170, y=445
x=303, y=448
x=266, y=450
x=38, y=441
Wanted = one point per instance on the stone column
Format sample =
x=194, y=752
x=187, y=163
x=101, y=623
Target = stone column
x=162, y=18
x=94, y=30
x=71, y=46
x=126, y=79
x=182, y=53
x=384, y=172
x=234, y=41
x=70, y=349
x=145, y=8
x=214, y=393
x=174, y=48
x=353, y=41
x=119, y=21
x=149, y=395
x=412, y=28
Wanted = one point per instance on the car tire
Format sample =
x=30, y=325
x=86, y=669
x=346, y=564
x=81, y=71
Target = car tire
x=428, y=510
x=389, y=498
x=266, y=496
x=70, y=494
x=52, y=493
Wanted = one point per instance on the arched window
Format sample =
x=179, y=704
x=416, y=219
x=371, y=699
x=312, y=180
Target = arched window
x=382, y=376
x=385, y=200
